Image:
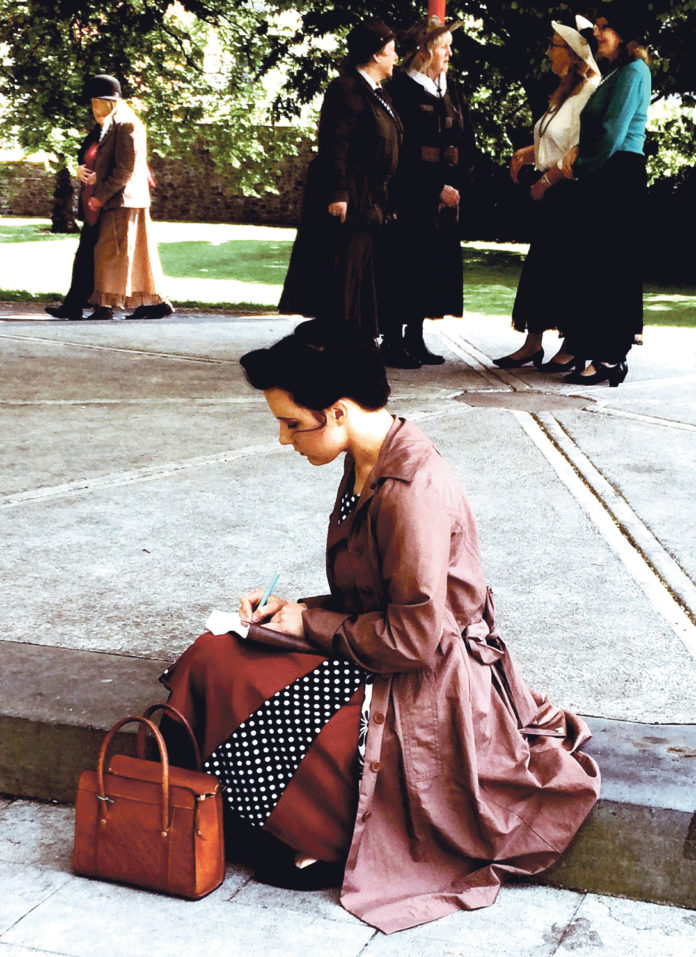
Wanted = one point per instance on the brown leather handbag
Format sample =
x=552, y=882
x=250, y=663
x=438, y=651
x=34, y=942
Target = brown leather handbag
x=147, y=823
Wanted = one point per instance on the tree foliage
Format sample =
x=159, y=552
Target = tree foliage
x=188, y=69
x=197, y=69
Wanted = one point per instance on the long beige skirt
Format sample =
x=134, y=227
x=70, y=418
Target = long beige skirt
x=127, y=268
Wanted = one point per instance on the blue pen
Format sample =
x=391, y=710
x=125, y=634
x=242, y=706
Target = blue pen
x=268, y=592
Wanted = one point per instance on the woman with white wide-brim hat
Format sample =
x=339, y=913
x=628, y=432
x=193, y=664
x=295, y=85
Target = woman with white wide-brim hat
x=541, y=298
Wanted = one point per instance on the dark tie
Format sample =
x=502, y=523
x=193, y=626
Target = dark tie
x=379, y=93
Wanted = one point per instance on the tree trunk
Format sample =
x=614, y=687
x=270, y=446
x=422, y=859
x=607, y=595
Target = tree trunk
x=63, y=217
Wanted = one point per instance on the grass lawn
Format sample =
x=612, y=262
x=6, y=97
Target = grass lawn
x=243, y=267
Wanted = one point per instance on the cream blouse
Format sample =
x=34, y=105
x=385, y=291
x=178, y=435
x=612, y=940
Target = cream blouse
x=556, y=133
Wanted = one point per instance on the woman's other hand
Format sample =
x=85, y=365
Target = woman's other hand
x=520, y=158
x=94, y=203
x=539, y=188
x=289, y=619
x=86, y=175
x=568, y=162
x=449, y=196
x=339, y=210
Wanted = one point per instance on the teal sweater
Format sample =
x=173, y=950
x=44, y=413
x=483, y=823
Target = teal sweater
x=614, y=117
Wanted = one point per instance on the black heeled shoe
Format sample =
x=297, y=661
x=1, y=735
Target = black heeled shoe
x=282, y=872
x=507, y=362
x=102, y=313
x=575, y=364
x=395, y=356
x=614, y=375
x=414, y=343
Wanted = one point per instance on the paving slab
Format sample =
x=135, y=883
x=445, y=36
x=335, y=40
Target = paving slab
x=143, y=486
x=45, y=909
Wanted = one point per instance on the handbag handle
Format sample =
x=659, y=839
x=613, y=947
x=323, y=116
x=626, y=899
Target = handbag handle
x=164, y=759
x=170, y=709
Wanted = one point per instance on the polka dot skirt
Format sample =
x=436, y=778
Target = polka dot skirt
x=261, y=756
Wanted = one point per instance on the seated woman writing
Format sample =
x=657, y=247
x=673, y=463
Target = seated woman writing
x=392, y=736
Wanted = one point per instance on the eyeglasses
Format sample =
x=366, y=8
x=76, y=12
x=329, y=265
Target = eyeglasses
x=559, y=46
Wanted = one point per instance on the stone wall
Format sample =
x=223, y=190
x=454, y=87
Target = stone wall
x=188, y=190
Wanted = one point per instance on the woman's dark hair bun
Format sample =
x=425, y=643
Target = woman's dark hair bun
x=320, y=363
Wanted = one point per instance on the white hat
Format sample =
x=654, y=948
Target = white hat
x=582, y=23
x=578, y=44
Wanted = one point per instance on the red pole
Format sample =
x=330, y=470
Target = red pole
x=437, y=8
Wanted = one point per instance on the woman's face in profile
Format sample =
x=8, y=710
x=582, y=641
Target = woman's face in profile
x=559, y=55
x=101, y=109
x=385, y=59
x=608, y=40
x=315, y=435
x=442, y=51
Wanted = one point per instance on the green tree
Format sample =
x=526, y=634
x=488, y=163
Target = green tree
x=500, y=53
x=190, y=71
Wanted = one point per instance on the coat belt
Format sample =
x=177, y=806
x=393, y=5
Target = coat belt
x=485, y=645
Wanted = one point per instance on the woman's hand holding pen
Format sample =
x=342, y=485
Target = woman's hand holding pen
x=285, y=616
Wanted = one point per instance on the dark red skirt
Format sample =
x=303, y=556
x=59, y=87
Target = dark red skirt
x=221, y=680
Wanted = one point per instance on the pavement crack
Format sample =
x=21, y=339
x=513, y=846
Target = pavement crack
x=643, y=418
x=663, y=582
x=99, y=347
x=571, y=927
x=147, y=473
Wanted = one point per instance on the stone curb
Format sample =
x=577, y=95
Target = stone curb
x=639, y=842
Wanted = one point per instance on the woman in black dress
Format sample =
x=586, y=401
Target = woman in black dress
x=335, y=271
x=433, y=173
x=82, y=279
x=610, y=166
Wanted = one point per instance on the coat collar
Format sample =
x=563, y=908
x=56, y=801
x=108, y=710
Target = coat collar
x=402, y=455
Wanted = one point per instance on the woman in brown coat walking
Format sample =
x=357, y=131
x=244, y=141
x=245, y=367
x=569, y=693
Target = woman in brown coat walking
x=392, y=735
x=127, y=270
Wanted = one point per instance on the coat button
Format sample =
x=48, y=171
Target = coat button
x=367, y=815
x=359, y=550
x=375, y=766
x=379, y=717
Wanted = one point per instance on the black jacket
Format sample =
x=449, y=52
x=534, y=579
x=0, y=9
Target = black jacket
x=438, y=147
x=358, y=143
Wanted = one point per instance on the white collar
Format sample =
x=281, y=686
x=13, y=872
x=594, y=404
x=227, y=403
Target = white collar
x=437, y=87
x=367, y=78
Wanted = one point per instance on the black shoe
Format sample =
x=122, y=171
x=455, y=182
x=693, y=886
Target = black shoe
x=396, y=356
x=416, y=347
x=158, y=311
x=614, y=375
x=507, y=362
x=283, y=872
x=577, y=364
x=101, y=313
x=63, y=312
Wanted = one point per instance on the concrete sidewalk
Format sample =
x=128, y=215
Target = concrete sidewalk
x=44, y=910
x=143, y=485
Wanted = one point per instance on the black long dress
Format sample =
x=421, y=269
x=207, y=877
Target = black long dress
x=438, y=150
x=82, y=279
x=335, y=268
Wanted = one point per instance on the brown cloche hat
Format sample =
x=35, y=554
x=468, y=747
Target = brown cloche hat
x=423, y=33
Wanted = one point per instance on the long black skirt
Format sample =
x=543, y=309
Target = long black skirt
x=335, y=272
x=546, y=292
x=609, y=265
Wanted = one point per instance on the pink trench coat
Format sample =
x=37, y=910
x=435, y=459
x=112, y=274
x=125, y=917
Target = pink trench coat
x=468, y=774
